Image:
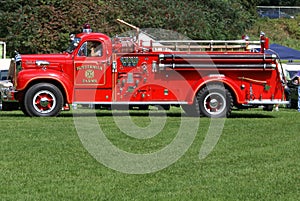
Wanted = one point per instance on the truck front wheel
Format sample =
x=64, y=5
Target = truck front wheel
x=43, y=100
x=215, y=101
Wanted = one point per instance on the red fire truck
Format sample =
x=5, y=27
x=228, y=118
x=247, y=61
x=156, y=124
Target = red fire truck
x=205, y=78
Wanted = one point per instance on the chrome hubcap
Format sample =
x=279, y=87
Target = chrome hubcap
x=214, y=103
x=44, y=101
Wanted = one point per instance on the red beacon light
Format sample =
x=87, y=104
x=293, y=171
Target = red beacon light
x=86, y=28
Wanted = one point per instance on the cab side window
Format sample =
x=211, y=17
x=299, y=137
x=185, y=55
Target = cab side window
x=95, y=49
x=91, y=49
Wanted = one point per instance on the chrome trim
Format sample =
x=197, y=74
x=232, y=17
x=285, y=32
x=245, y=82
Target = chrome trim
x=42, y=63
x=135, y=103
x=267, y=101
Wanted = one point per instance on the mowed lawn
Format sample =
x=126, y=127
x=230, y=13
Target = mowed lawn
x=256, y=158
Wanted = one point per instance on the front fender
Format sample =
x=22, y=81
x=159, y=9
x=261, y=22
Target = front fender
x=29, y=76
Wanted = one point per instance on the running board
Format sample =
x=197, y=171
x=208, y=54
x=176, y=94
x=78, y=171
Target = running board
x=267, y=102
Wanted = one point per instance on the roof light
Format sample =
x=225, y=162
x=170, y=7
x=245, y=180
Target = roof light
x=86, y=28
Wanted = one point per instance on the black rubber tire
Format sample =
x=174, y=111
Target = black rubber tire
x=163, y=107
x=192, y=110
x=215, y=101
x=143, y=107
x=22, y=107
x=268, y=107
x=43, y=100
x=10, y=106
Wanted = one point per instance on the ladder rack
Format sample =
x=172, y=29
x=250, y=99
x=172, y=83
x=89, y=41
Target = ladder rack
x=203, y=45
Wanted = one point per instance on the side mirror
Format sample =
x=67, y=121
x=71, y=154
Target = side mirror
x=72, y=37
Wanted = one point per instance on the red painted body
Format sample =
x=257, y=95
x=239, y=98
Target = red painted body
x=142, y=76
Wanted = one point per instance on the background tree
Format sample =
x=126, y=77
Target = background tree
x=43, y=26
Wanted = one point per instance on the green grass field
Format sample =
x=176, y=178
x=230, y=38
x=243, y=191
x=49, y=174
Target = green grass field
x=256, y=158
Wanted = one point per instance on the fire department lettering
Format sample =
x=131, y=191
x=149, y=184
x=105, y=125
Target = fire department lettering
x=89, y=81
x=90, y=74
x=89, y=67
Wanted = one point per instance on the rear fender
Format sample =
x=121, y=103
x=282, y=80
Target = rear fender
x=217, y=79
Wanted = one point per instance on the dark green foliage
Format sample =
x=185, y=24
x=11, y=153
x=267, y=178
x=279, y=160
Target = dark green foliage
x=43, y=26
x=279, y=2
x=281, y=31
x=212, y=19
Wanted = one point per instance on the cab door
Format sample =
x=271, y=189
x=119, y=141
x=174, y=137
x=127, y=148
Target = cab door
x=91, y=75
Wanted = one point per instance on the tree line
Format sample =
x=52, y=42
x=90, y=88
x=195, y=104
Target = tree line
x=279, y=3
x=43, y=26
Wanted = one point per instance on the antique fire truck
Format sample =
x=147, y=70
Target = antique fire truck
x=206, y=78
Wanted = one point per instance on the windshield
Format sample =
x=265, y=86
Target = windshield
x=73, y=45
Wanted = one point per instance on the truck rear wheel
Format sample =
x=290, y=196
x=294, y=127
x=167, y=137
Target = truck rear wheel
x=43, y=100
x=215, y=101
x=268, y=107
x=192, y=110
